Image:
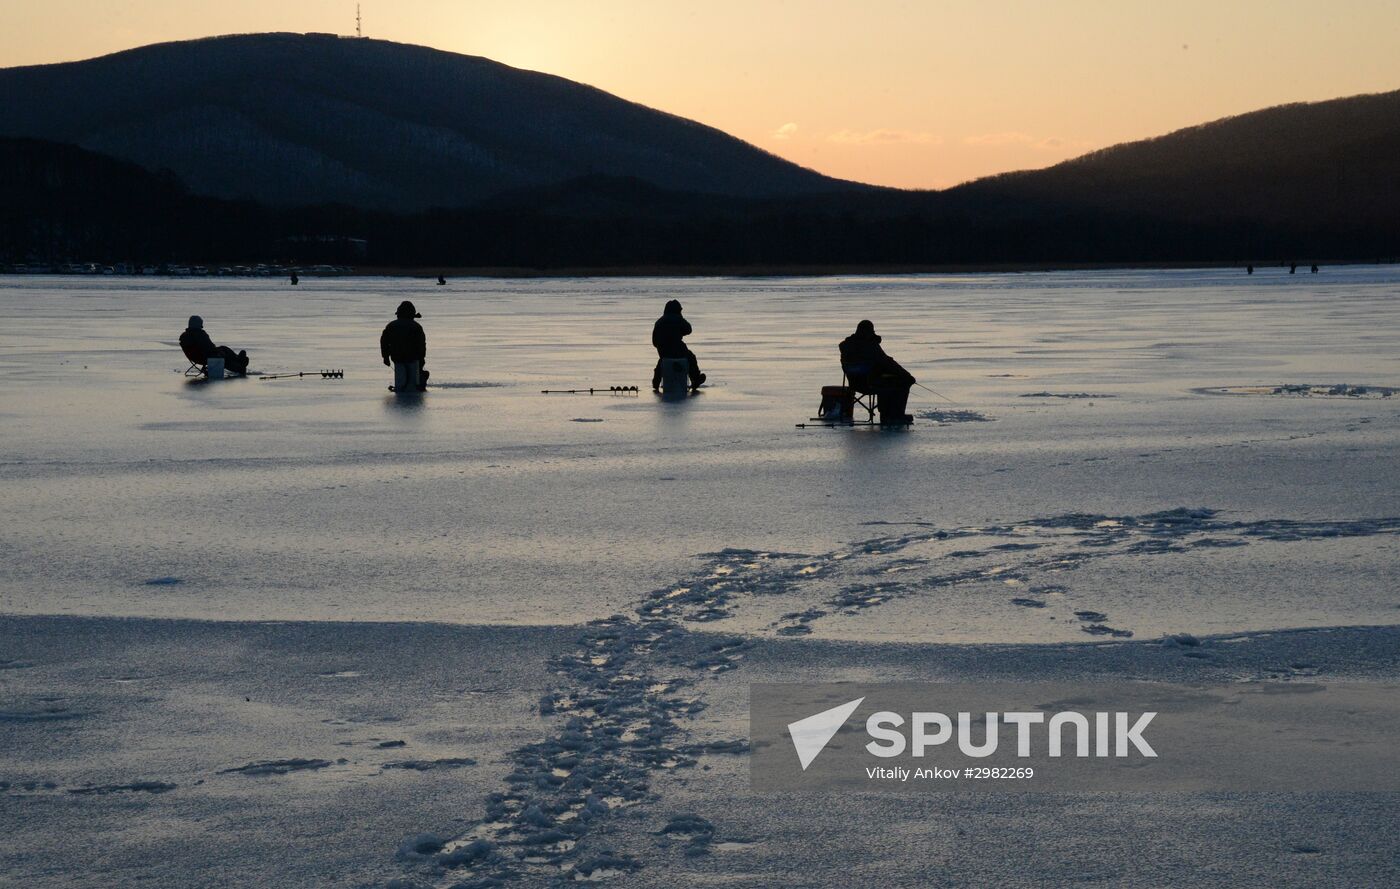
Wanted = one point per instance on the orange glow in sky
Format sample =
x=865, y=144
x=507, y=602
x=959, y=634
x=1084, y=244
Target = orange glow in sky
x=895, y=92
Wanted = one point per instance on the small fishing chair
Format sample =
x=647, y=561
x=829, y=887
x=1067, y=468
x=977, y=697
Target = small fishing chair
x=868, y=401
x=198, y=363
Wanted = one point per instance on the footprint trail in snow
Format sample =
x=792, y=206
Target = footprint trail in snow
x=627, y=689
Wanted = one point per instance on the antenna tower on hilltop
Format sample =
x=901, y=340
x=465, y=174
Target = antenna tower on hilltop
x=359, y=31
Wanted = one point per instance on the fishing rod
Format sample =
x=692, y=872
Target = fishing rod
x=323, y=374
x=611, y=390
x=939, y=394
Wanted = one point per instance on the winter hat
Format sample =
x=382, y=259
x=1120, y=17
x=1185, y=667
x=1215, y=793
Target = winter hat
x=196, y=322
x=867, y=327
x=674, y=306
x=406, y=310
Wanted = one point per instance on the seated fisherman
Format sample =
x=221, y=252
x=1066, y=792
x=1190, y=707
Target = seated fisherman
x=868, y=369
x=404, y=342
x=199, y=348
x=668, y=336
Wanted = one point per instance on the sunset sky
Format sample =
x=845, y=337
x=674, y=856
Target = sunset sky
x=913, y=94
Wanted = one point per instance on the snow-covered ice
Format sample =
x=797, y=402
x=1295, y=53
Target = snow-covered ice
x=494, y=634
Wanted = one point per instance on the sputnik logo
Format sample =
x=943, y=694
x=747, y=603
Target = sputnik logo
x=810, y=735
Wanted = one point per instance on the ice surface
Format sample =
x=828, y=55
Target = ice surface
x=647, y=559
x=129, y=490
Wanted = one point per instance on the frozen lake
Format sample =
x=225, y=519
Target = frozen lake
x=413, y=643
x=488, y=502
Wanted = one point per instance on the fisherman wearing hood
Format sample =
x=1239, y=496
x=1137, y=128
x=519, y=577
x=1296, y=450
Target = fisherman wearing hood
x=199, y=348
x=668, y=336
x=868, y=369
x=404, y=343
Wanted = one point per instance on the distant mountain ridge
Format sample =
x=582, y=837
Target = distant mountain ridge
x=1335, y=162
x=292, y=119
x=433, y=158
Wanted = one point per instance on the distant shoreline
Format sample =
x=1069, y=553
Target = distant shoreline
x=309, y=271
x=821, y=271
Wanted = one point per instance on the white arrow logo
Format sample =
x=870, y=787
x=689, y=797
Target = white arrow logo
x=810, y=735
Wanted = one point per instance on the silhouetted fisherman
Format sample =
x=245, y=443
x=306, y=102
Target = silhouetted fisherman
x=1249, y=269
x=1314, y=268
x=441, y=280
x=199, y=348
x=668, y=336
x=1293, y=268
x=295, y=279
x=868, y=369
x=404, y=343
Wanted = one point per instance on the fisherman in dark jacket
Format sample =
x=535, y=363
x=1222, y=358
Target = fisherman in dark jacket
x=868, y=369
x=199, y=348
x=668, y=336
x=404, y=343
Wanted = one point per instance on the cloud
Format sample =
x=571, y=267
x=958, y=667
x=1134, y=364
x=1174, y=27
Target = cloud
x=884, y=137
x=995, y=139
x=786, y=131
x=1049, y=143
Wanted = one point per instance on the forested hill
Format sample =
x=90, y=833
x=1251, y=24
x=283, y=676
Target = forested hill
x=296, y=119
x=1332, y=164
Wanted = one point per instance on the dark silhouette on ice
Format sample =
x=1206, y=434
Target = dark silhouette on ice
x=668, y=336
x=199, y=348
x=441, y=280
x=404, y=346
x=871, y=372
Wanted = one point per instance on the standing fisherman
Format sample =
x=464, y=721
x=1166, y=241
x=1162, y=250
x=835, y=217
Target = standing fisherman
x=404, y=343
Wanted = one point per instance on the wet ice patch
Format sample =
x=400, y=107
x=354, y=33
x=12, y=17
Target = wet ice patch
x=164, y=581
x=953, y=416
x=1068, y=395
x=1305, y=390
x=134, y=787
x=26, y=786
x=278, y=767
x=430, y=765
x=51, y=713
x=1093, y=624
x=470, y=385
